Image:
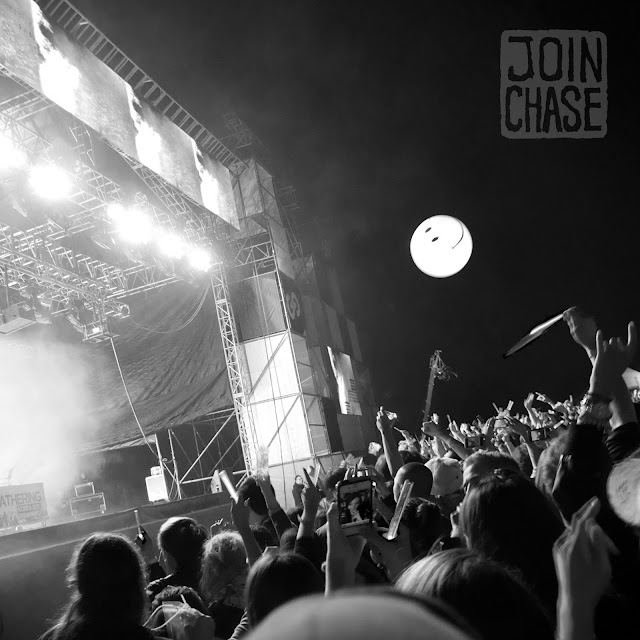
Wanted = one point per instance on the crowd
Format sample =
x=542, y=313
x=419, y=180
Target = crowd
x=508, y=533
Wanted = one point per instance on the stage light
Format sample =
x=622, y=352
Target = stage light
x=115, y=211
x=200, y=260
x=441, y=246
x=10, y=156
x=50, y=182
x=172, y=245
x=133, y=226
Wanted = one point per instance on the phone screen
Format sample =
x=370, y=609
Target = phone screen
x=473, y=442
x=540, y=434
x=355, y=503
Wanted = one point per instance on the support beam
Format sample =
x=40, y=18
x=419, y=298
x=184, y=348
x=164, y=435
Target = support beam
x=235, y=368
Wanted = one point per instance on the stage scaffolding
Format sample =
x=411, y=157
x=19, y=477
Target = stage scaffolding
x=267, y=244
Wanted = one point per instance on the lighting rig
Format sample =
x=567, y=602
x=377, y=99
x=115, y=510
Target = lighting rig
x=147, y=246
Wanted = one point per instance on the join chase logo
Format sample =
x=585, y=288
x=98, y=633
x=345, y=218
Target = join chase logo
x=553, y=84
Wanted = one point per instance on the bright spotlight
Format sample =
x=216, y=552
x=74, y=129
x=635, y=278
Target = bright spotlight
x=200, y=260
x=10, y=156
x=172, y=245
x=133, y=226
x=50, y=182
x=115, y=211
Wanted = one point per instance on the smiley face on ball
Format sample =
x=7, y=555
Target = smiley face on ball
x=441, y=246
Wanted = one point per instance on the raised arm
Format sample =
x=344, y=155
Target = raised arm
x=385, y=426
x=305, y=540
x=279, y=518
x=531, y=412
x=240, y=516
x=583, y=330
x=430, y=428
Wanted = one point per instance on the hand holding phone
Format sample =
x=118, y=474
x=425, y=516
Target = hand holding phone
x=474, y=442
x=144, y=542
x=355, y=504
x=539, y=435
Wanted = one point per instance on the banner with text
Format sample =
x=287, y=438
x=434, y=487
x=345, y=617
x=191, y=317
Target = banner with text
x=22, y=504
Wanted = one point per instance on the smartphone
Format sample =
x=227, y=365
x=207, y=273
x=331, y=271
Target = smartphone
x=355, y=504
x=394, y=525
x=228, y=483
x=473, y=442
x=537, y=435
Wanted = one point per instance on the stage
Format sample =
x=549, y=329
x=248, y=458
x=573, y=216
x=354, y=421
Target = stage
x=161, y=315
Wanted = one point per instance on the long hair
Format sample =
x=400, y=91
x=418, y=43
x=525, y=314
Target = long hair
x=277, y=579
x=184, y=539
x=224, y=561
x=505, y=518
x=489, y=597
x=107, y=579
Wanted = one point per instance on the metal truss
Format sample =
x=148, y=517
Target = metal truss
x=196, y=226
x=92, y=194
x=235, y=367
x=201, y=463
x=259, y=254
x=63, y=272
x=24, y=105
x=79, y=27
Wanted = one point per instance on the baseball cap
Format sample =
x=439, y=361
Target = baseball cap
x=447, y=476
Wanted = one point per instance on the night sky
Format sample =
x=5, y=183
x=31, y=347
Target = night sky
x=383, y=114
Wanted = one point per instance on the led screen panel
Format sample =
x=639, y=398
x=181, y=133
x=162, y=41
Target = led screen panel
x=44, y=57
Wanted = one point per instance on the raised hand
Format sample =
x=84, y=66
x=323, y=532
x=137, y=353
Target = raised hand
x=488, y=427
x=529, y=400
x=240, y=514
x=581, y=557
x=456, y=432
x=311, y=497
x=612, y=358
x=410, y=439
x=385, y=420
x=518, y=427
x=583, y=329
x=432, y=428
x=544, y=398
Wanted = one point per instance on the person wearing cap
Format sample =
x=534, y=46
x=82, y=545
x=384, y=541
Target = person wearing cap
x=370, y=615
